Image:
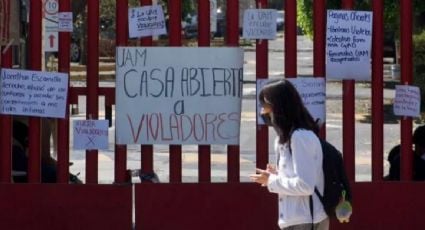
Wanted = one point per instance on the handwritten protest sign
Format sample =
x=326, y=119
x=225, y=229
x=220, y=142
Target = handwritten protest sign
x=146, y=21
x=33, y=93
x=312, y=92
x=90, y=134
x=348, y=45
x=176, y=95
x=259, y=24
x=407, y=101
x=65, y=22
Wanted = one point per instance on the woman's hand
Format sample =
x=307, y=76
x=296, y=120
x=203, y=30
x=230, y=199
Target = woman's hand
x=262, y=177
x=271, y=168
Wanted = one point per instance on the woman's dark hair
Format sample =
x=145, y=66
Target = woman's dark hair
x=20, y=133
x=289, y=112
x=419, y=136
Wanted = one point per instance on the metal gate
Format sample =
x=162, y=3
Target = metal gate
x=203, y=205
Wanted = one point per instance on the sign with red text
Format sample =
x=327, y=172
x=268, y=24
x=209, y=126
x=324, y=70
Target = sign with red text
x=178, y=95
x=348, y=44
x=33, y=93
x=146, y=21
x=90, y=134
x=407, y=101
x=50, y=22
x=312, y=91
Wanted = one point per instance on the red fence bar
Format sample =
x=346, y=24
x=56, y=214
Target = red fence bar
x=290, y=38
x=232, y=20
x=92, y=82
x=121, y=40
x=146, y=41
x=406, y=79
x=174, y=25
x=348, y=121
x=147, y=150
x=262, y=60
x=377, y=91
x=63, y=124
x=319, y=42
x=6, y=127
x=233, y=151
x=34, y=49
x=204, y=25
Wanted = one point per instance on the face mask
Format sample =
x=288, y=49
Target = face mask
x=267, y=119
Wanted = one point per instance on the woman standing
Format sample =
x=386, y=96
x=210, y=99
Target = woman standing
x=299, y=159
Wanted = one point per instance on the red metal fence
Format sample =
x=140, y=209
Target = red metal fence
x=203, y=205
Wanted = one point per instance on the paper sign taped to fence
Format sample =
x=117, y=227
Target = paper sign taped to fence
x=65, y=22
x=178, y=95
x=407, y=101
x=33, y=93
x=348, y=44
x=90, y=134
x=146, y=21
x=259, y=24
x=312, y=92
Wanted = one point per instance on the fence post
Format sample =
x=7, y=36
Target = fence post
x=63, y=124
x=262, y=67
x=34, y=157
x=348, y=122
x=92, y=103
x=377, y=91
x=6, y=133
x=406, y=79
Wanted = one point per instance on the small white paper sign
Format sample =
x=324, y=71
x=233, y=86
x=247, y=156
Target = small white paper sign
x=312, y=92
x=407, y=101
x=90, y=134
x=65, y=22
x=259, y=24
x=348, y=45
x=146, y=21
x=33, y=93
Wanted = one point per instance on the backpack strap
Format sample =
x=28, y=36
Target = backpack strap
x=316, y=191
x=311, y=211
x=319, y=195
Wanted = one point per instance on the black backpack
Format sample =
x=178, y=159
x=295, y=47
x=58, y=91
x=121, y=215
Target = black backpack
x=335, y=179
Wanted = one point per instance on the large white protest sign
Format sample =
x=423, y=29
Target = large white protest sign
x=33, y=93
x=407, y=101
x=176, y=95
x=259, y=24
x=312, y=92
x=146, y=21
x=90, y=134
x=348, y=45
